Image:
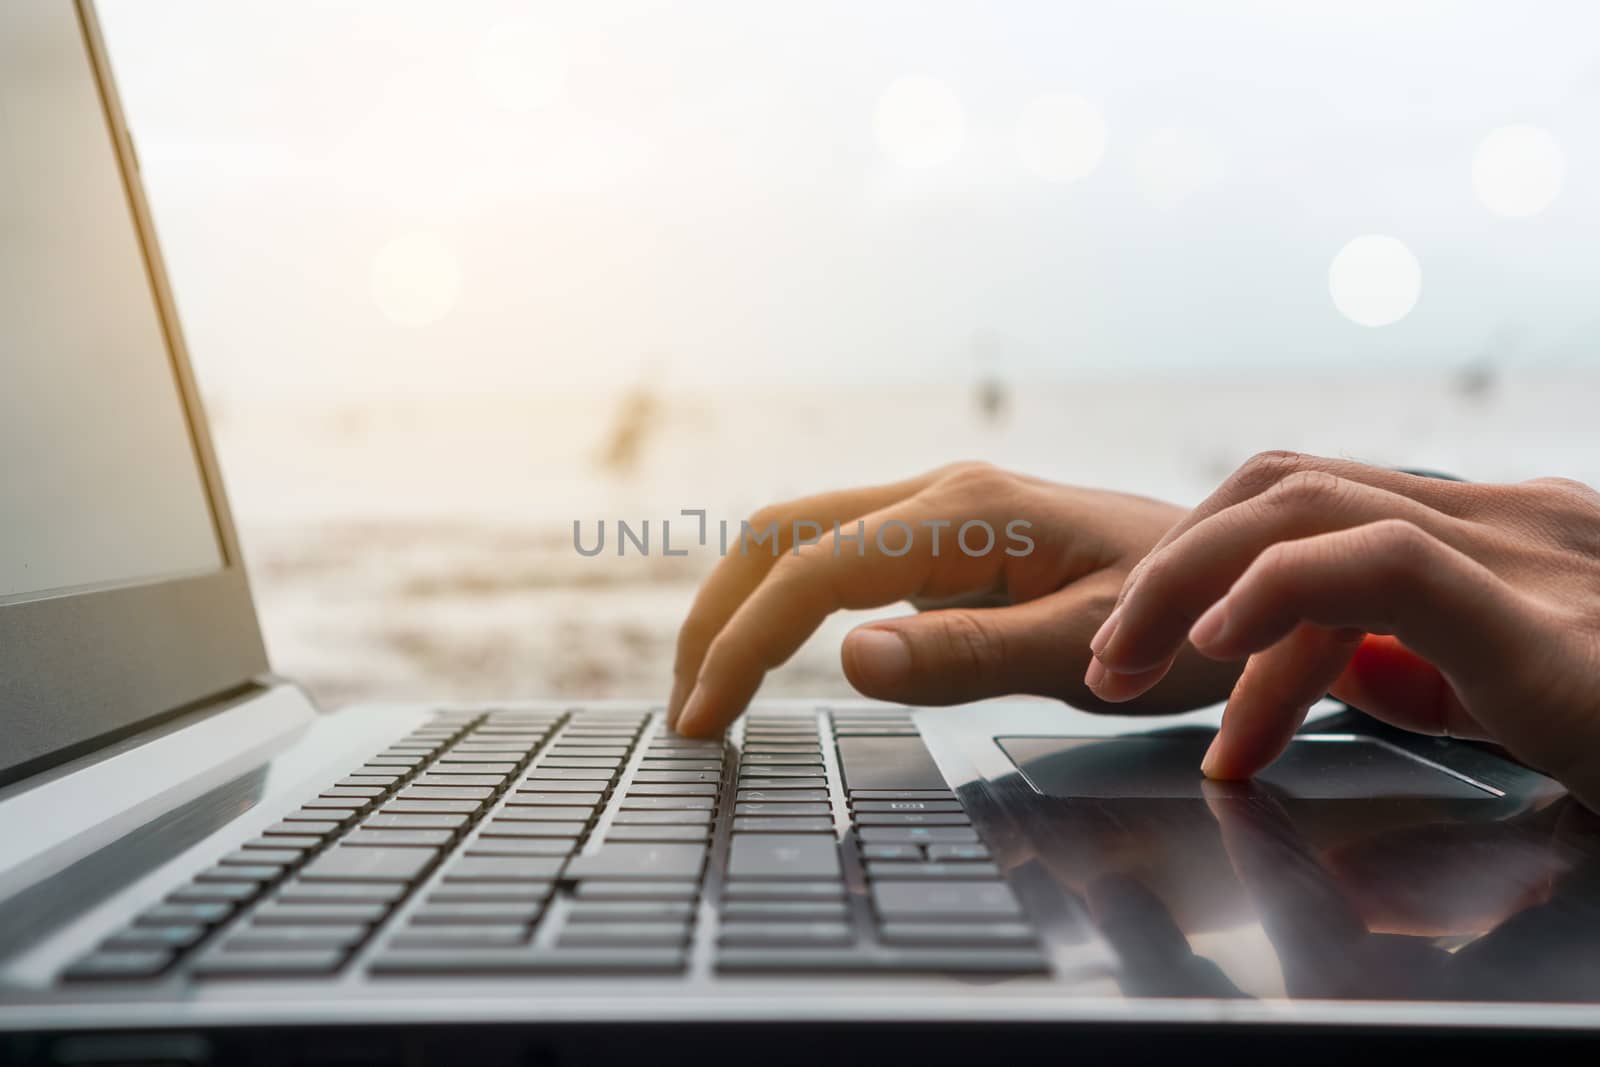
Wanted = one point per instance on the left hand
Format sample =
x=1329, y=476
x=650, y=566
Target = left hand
x=1441, y=607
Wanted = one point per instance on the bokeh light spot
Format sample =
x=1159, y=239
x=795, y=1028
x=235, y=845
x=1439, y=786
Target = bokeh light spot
x=415, y=279
x=919, y=122
x=1518, y=170
x=1375, y=280
x=1061, y=137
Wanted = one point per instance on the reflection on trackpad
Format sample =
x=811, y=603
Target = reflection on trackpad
x=1333, y=768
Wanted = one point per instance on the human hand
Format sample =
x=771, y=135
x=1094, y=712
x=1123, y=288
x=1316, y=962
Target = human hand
x=757, y=608
x=1441, y=607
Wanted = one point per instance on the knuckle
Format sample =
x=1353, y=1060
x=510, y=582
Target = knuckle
x=1402, y=548
x=1266, y=469
x=1305, y=490
x=976, y=480
x=972, y=644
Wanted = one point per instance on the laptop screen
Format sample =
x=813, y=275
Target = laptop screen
x=99, y=480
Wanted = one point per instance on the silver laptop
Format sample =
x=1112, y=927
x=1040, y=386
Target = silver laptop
x=199, y=865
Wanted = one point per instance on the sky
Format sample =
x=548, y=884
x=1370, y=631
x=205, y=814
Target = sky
x=360, y=197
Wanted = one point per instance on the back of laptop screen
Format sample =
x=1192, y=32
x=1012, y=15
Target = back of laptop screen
x=100, y=484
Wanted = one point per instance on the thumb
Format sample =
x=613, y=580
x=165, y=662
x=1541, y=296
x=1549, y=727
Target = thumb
x=962, y=654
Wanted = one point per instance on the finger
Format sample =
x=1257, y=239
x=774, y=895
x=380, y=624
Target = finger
x=1490, y=644
x=802, y=590
x=1265, y=470
x=738, y=573
x=961, y=654
x=1273, y=695
x=1179, y=582
x=1388, y=681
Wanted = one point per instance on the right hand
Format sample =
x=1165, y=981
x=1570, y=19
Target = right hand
x=1030, y=635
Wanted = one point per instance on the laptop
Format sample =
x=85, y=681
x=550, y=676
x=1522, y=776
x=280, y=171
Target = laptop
x=198, y=865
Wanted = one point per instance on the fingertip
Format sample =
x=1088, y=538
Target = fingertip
x=877, y=660
x=1209, y=630
x=695, y=717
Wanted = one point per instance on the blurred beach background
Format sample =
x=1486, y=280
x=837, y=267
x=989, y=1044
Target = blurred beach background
x=454, y=277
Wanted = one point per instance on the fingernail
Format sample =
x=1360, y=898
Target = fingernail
x=1095, y=674
x=693, y=711
x=1208, y=762
x=1208, y=629
x=1102, y=636
x=882, y=658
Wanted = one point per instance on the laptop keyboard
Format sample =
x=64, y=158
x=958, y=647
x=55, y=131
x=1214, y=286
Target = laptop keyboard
x=529, y=842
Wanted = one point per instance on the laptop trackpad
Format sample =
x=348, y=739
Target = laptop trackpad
x=1168, y=766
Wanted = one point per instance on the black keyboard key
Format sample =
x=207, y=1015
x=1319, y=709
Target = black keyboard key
x=114, y=966
x=608, y=911
x=286, y=913
x=675, y=789
x=287, y=841
x=431, y=781
x=240, y=873
x=500, y=892
x=429, y=807
x=502, y=869
x=921, y=900
x=216, y=892
x=461, y=936
x=911, y=818
x=863, y=806
x=302, y=828
x=344, y=864
x=521, y=846
x=895, y=869
x=662, y=862
x=387, y=820
x=662, y=818
x=955, y=852
x=340, y=892
x=887, y=763
x=795, y=960
x=627, y=832
x=315, y=935
x=795, y=856
x=784, y=909
x=782, y=796
x=858, y=795
x=179, y=914
x=163, y=938
x=445, y=792
x=768, y=807
x=765, y=771
x=918, y=835
x=546, y=814
x=270, y=963
x=783, y=891
x=508, y=826
x=896, y=852
x=527, y=961
x=539, y=791
x=364, y=838
x=632, y=802
x=769, y=782
x=759, y=932
x=624, y=933
x=477, y=911
x=949, y=933
x=600, y=889
x=814, y=824
x=247, y=857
